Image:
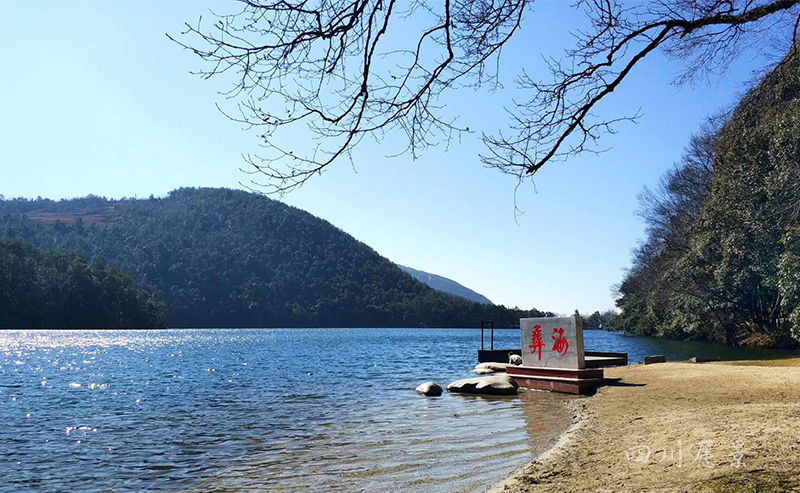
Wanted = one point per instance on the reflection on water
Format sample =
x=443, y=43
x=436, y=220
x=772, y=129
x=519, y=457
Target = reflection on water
x=268, y=410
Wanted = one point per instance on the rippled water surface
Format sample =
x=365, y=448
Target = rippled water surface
x=266, y=410
x=270, y=410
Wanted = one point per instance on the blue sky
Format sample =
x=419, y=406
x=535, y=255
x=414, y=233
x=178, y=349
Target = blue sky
x=97, y=100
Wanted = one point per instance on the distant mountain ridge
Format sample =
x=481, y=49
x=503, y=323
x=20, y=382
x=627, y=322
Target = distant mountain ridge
x=229, y=258
x=447, y=285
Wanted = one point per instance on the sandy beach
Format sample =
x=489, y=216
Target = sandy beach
x=678, y=427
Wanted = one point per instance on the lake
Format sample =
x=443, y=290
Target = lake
x=272, y=409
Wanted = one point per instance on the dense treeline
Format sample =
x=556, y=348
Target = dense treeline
x=598, y=320
x=58, y=289
x=721, y=259
x=227, y=258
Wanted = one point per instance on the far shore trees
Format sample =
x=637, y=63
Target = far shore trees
x=346, y=70
x=58, y=289
x=228, y=258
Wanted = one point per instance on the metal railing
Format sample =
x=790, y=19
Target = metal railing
x=490, y=325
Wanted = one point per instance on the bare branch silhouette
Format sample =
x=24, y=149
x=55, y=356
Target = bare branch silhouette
x=343, y=70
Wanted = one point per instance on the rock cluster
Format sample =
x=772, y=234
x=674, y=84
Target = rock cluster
x=493, y=385
x=487, y=368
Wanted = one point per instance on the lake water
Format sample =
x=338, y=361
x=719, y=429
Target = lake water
x=271, y=410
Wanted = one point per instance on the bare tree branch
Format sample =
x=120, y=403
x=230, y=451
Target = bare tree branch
x=558, y=120
x=342, y=70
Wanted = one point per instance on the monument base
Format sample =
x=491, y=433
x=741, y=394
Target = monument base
x=563, y=380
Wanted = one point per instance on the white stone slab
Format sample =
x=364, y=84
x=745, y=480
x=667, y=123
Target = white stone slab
x=559, y=342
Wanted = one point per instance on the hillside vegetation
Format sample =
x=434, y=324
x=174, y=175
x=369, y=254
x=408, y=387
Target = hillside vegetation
x=227, y=258
x=58, y=289
x=722, y=257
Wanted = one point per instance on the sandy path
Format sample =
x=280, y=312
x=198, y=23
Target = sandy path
x=659, y=406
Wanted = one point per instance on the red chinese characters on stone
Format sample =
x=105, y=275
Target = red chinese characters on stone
x=536, y=341
x=561, y=345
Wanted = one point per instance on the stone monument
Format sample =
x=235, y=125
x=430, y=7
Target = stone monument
x=553, y=342
x=553, y=357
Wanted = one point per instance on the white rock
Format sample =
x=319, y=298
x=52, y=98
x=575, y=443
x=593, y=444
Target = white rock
x=493, y=385
x=430, y=389
x=495, y=367
x=514, y=359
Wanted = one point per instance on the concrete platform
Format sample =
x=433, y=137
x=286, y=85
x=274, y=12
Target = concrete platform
x=564, y=380
x=594, y=359
x=600, y=359
x=496, y=355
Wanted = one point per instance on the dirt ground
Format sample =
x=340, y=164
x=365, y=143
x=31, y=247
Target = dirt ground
x=678, y=427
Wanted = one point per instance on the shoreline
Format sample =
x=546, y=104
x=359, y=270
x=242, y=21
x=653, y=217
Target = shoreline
x=567, y=436
x=676, y=427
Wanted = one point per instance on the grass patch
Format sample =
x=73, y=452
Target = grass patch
x=783, y=362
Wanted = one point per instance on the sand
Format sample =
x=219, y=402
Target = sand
x=696, y=419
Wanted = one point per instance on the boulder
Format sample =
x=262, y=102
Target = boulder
x=430, y=389
x=493, y=385
x=514, y=359
x=704, y=359
x=658, y=358
x=483, y=371
x=495, y=367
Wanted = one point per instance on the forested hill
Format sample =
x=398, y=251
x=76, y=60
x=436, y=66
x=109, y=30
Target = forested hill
x=722, y=256
x=57, y=289
x=445, y=284
x=228, y=258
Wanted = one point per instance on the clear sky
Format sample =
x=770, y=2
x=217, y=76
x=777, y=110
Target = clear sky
x=96, y=99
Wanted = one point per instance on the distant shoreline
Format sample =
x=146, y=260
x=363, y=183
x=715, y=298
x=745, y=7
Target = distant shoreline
x=287, y=328
x=671, y=408
x=272, y=328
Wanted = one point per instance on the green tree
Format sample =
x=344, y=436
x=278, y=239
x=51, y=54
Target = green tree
x=58, y=289
x=721, y=257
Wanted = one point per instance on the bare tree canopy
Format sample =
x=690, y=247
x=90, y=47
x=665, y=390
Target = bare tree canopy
x=344, y=70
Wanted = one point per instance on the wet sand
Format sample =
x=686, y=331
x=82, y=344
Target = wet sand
x=678, y=427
